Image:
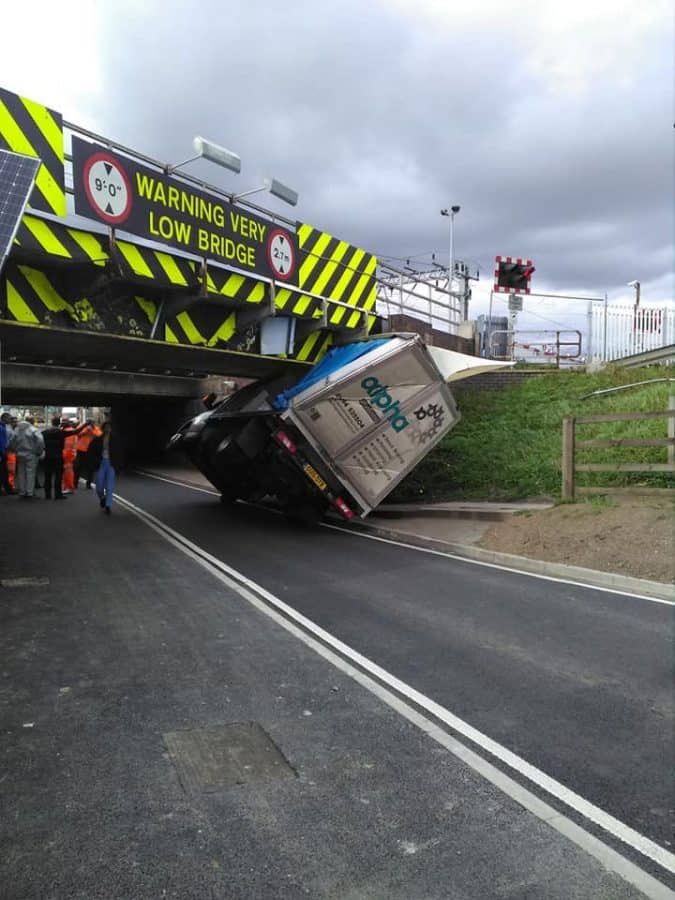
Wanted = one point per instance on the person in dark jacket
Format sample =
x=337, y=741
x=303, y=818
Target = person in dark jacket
x=54, y=439
x=106, y=455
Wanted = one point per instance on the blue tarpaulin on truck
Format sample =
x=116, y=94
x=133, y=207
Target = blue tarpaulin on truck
x=335, y=359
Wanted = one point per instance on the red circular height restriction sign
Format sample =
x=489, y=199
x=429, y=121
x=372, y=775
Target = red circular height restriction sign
x=107, y=187
x=281, y=254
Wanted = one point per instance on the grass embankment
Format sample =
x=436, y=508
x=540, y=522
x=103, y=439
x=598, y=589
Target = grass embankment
x=507, y=445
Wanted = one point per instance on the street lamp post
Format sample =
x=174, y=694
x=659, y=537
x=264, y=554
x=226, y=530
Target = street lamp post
x=636, y=285
x=638, y=321
x=452, y=212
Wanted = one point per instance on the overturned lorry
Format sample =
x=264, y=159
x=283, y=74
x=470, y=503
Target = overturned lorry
x=341, y=437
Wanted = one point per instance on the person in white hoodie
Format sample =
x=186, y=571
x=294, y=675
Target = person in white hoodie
x=29, y=446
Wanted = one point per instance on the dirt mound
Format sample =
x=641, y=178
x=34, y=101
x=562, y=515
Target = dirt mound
x=628, y=537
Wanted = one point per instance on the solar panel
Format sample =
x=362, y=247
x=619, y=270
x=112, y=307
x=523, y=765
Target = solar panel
x=17, y=176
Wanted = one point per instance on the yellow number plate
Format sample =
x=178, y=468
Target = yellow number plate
x=311, y=472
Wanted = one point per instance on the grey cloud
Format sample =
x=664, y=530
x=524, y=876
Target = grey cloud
x=379, y=121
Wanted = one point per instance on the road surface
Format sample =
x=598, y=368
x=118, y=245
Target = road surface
x=577, y=681
x=555, y=697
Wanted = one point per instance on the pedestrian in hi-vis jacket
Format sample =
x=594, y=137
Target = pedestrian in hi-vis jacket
x=106, y=454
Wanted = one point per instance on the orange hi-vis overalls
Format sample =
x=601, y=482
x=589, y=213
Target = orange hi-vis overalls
x=85, y=438
x=69, y=453
x=11, y=468
x=82, y=462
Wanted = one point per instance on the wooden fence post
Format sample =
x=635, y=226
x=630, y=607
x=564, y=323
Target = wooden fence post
x=568, y=458
x=671, y=431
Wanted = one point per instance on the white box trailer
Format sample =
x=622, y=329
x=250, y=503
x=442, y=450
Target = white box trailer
x=343, y=436
x=372, y=420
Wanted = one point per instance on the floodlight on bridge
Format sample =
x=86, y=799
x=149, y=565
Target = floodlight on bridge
x=217, y=154
x=276, y=188
x=282, y=191
x=214, y=153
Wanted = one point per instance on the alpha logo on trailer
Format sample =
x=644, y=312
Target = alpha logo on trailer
x=382, y=399
x=512, y=275
x=430, y=420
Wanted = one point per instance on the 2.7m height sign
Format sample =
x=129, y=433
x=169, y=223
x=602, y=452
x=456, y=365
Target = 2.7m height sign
x=143, y=201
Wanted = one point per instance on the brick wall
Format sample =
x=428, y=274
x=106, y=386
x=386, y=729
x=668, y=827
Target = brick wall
x=497, y=381
x=429, y=335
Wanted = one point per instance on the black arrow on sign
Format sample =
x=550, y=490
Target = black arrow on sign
x=108, y=168
x=109, y=209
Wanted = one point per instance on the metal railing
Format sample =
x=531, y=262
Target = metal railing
x=550, y=349
x=619, y=331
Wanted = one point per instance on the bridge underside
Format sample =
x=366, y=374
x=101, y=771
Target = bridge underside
x=152, y=386
x=81, y=349
x=26, y=384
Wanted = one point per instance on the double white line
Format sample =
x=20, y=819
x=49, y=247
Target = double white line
x=392, y=690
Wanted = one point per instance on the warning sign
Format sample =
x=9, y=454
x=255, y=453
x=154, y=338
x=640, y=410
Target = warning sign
x=107, y=187
x=281, y=255
x=150, y=204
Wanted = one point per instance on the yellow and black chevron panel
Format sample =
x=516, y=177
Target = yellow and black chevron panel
x=203, y=325
x=31, y=129
x=37, y=238
x=314, y=346
x=338, y=271
x=143, y=264
x=35, y=297
x=293, y=303
x=230, y=285
x=141, y=317
x=32, y=297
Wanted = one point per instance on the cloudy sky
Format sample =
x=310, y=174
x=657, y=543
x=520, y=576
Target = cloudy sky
x=550, y=123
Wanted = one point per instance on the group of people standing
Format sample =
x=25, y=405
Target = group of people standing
x=67, y=457
x=69, y=453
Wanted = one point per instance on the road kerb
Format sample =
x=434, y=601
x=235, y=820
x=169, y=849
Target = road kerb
x=592, y=577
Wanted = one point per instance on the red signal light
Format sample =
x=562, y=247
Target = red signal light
x=512, y=275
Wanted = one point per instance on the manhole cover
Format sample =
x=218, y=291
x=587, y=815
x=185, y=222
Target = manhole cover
x=223, y=755
x=24, y=582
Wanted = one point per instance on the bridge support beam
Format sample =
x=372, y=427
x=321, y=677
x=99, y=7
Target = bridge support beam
x=41, y=384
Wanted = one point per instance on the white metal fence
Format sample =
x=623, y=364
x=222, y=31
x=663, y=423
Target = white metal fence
x=617, y=331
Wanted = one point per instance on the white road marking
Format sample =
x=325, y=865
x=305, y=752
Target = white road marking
x=184, y=484
x=444, y=553
x=262, y=599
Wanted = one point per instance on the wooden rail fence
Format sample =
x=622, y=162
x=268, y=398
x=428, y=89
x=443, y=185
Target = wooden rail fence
x=570, y=445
